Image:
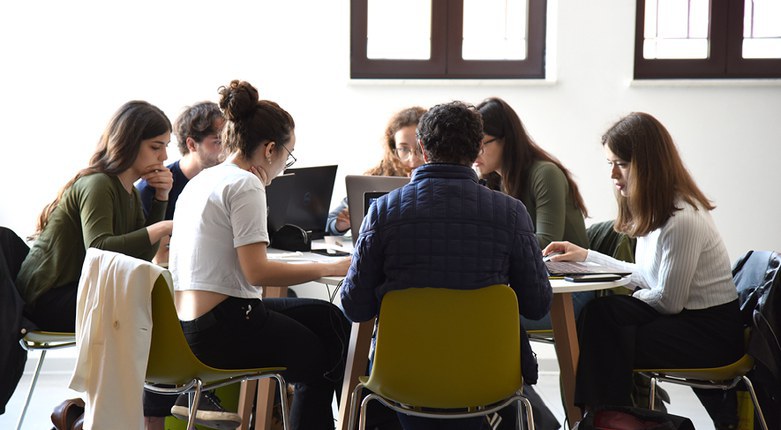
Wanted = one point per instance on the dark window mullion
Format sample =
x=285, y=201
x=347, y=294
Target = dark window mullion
x=532, y=67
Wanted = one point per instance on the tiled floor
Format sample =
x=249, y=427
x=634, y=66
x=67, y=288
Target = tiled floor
x=52, y=389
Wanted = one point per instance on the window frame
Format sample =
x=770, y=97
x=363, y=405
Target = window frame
x=725, y=38
x=446, y=61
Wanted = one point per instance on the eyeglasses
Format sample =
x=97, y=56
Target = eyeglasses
x=291, y=159
x=482, y=145
x=405, y=154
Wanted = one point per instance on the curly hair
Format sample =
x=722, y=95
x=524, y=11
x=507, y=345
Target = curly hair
x=197, y=121
x=252, y=122
x=451, y=133
x=390, y=165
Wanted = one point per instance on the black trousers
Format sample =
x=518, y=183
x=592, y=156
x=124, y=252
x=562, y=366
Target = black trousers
x=55, y=310
x=307, y=336
x=620, y=333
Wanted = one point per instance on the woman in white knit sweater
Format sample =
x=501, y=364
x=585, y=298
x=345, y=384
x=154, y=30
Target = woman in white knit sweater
x=684, y=311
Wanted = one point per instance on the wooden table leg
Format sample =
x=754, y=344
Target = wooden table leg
x=264, y=403
x=247, y=394
x=357, y=361
x=567, y=350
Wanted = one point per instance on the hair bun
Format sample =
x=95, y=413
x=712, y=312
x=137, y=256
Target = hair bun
x=238, y=100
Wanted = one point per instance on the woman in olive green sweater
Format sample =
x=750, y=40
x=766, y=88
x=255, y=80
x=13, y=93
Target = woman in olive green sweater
x=536, y=178
x=99, y=208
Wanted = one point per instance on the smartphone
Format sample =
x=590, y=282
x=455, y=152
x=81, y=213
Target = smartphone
x=593, y=277
x=331, y=252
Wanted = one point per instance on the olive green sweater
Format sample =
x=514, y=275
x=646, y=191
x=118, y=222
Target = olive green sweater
x=552, y=207
x=96, y=211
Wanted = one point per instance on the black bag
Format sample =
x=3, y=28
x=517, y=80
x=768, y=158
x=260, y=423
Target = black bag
x=13, y=250
x=627, y=418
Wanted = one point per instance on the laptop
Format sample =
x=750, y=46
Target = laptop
x=560, y=269
x=357, y=188
x=308, y=193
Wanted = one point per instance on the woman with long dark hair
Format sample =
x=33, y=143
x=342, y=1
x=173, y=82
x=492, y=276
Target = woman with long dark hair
x=99, y=208
x=684, y=310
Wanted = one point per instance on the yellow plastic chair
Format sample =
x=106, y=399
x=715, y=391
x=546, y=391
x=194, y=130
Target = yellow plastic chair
x=717, y=378
x=173, y=368
x=445, y=353
x=42, y=341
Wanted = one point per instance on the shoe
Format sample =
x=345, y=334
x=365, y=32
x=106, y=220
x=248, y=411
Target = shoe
x=210, y=412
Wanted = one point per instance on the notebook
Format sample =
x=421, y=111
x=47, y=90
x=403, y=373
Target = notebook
x=357, y=188
x=558, y=269
x=308, y=199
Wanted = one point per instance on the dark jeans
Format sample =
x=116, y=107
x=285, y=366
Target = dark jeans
x=307, y=336
x=620, y=333
x=55, y=310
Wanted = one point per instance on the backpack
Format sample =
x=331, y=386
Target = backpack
x=757, y=278
x=629, y=418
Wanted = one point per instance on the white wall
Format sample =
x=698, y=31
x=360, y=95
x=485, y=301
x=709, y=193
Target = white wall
x=66, y=66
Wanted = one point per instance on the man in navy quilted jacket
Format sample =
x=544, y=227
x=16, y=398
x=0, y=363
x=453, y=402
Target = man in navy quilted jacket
x=445, y=230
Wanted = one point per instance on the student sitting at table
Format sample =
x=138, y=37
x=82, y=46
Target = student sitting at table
x=401, y=155
x=99, y=208
x=536, y=178
x=432, y=225
x=684, y=311
x=219, y=261
x=197, y=131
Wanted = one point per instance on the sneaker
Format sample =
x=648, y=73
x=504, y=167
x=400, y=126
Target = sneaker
x=210, y=412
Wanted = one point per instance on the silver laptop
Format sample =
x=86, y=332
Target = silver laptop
x=357, y=187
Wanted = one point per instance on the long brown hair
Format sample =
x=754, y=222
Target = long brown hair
x=657, y=175
x=519, y=151
x=117, y=148
x=390, y=165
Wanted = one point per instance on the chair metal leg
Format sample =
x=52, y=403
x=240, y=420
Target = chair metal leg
x=529, y=414
x=652, y=395
x=354, y=406
x=32, y=388
x=755, y=400
x=283, y=400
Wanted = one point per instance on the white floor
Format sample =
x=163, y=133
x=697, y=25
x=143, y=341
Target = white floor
x=52, y=389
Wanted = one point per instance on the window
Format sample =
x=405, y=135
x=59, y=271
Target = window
x=476, y=39
x=708, y=39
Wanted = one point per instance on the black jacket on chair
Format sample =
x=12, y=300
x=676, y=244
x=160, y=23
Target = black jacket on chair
x=758, y=279
x=13, y=250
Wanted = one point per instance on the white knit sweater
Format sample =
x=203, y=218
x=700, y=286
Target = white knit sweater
x=682, y=265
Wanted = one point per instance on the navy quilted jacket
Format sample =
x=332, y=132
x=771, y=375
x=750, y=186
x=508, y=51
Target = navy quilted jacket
x=444, y=230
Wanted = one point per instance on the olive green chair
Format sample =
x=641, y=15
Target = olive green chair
x=446, y=353
x=173, y=369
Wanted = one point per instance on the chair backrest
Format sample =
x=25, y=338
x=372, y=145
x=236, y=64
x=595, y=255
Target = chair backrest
x=170, y=359
x=447, y=348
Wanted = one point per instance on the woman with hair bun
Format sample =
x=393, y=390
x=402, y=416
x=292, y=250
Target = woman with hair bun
x=219, y=264
x=99, y=208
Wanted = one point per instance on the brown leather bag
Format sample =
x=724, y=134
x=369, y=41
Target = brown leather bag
x=67, y=413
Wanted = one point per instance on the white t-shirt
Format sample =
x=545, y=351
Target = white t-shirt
x=219, y=210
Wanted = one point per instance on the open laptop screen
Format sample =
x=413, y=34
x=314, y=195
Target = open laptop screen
x=308, y=198
x=358, y=186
